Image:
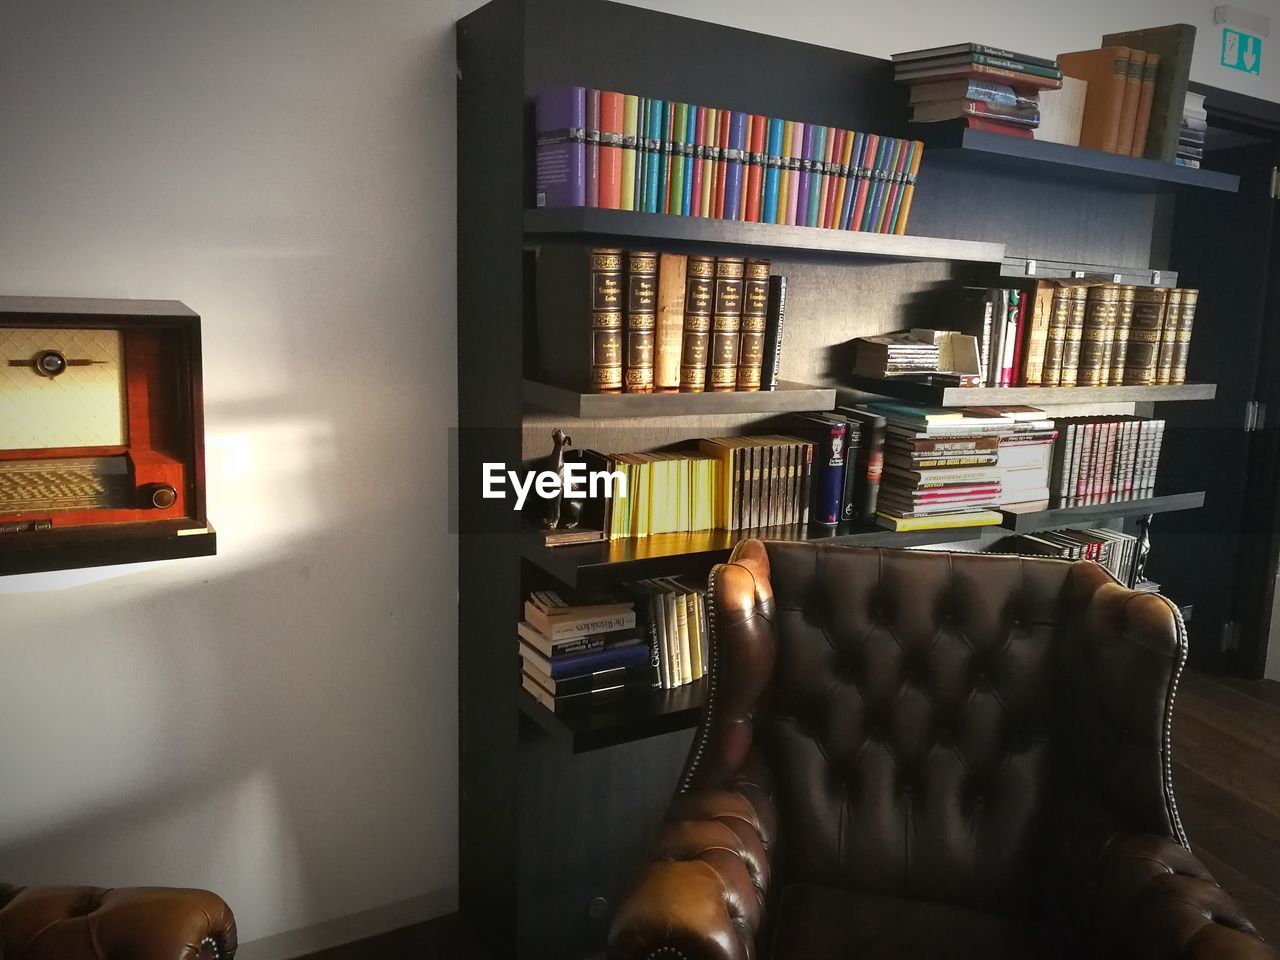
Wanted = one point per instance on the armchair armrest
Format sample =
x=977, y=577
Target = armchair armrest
x=93, y=923
x=1157, y=901
x=702, y=897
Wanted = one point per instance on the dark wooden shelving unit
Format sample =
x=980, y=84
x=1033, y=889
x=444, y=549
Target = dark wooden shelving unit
x=1030, y=518
x=1031, y=268
x=636, y=716
x=109, y=546
x=788, y=398
x=1077, y=165
x=636, y=558
x=579, y=223
x=940, y=394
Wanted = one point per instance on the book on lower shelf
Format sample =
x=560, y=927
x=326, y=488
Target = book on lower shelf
x=674, y=617
x=1105, y=459
x=1115, y=551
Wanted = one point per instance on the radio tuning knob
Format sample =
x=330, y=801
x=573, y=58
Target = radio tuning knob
x=160, y=495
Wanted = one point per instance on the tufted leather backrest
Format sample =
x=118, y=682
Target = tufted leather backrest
x=907, y=707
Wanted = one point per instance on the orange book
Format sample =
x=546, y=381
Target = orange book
x=909, y=189
x=1145, y=99
x=1106, y=71
x=1129, y=106
x=611, y=106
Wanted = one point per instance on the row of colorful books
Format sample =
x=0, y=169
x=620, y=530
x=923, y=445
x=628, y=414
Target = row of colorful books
x=1063, y=333
x=978, y=86
x=1116, y=552
x=1104, y=459
x=638, y=321
x=620, y=151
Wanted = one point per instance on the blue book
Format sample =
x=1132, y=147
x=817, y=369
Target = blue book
x=642, y=155
x=813, y=212
x=851, y=188
x=773, y=161
x=653, y=150
x=733, y=168
x=575, y=664
x=688, y=148
x=826, y=490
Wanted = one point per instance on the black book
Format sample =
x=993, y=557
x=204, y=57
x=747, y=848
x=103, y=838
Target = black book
x=773, y=333
x=870, y=465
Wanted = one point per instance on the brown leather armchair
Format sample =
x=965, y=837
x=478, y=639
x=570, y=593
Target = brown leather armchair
x=92, y=923
x=909, y=754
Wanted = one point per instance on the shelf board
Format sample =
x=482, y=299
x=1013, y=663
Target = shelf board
x=105, y=546
x=943, y=395
x=788, y=398
x=1027, y=518
x=999, y=153
x=667, y=554
x=636, y=716
x=582, y=222
x=1017, y=268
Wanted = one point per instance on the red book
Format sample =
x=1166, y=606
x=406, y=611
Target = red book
x=869, y=163
x=755, y=172
x=832, y=182
x=717, y=200
x=699, y=151
x=993, y=126
x=611, y=150
x=1020, y=334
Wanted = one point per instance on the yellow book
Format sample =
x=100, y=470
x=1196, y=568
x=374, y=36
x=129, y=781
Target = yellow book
x=620, y=512
x=708, y=169
x=695, y=635
x=630, y=121
x=643, y=508
x=707, y=474
x=684, y=494
x=657, y=497
x=909, y=189
x=979, y=518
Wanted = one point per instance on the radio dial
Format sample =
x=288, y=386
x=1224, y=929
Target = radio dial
x=160, y=495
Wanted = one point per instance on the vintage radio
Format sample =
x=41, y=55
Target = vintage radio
x=101, y=420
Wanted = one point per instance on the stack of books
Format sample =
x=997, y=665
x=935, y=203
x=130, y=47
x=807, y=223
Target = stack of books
x=613, y=320
x=578, y=650
x=1195, y=123
x=894, y=355
x=1105, y=459
x=1064, y=334
x=1137, y=84
x=977, y=86
x=678, y=635
x=625, y=152
x=1024, y=452
x=848, y=460
x=1115, y=551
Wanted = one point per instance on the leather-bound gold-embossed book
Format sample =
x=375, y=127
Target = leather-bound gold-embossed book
x=1144, y=336
x=726, y=324
x=641, y=318
x=699, y=294
x=580, y=305
x=755, y=311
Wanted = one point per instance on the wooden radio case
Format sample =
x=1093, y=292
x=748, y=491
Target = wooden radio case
x=101, y=431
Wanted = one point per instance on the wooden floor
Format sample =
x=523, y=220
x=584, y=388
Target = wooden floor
x=1226, y=747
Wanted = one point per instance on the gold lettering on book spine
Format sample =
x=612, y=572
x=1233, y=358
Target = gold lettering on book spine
x=1120, y=343
x=607, y=294
x=700, y=284
x=1051, y=372
x=1169, y=335
x=642, y=314
x=1101, y=308
x=1076, y=301
x=1144, y=336
x=1182, y=343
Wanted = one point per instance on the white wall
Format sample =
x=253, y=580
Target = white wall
x=279, y=723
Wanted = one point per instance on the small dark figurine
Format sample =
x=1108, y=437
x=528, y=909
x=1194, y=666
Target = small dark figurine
x=562, y=514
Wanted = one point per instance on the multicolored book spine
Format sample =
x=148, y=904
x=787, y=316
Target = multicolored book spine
x=626, y=152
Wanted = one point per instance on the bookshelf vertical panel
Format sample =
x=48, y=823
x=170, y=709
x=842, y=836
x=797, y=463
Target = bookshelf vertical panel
x=490, y=199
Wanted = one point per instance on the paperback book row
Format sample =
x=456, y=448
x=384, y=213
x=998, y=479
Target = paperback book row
x=1137, y=85
x=576, y=650
x=977, y=86
x=954, y=468
x=1118, y=553
x=1191, y=133
x=1070, y=334
x=620, y=151
x=638, y=321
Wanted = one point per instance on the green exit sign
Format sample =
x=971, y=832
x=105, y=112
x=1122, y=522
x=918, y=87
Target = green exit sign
x=1241, y=51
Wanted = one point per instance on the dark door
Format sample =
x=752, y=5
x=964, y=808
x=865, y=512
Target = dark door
x=1221, y=559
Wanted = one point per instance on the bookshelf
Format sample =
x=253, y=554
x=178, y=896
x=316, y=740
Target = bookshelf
x=941, y=394
x=1015, y=156
x=788, y=398
x=692, y=233
x=609, y=723
x=1030, y=518
x=557, y=807
x=1032, y=268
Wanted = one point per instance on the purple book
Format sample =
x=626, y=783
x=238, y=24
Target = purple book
x=806, y=171
x=593, y=148
x=561, y=118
